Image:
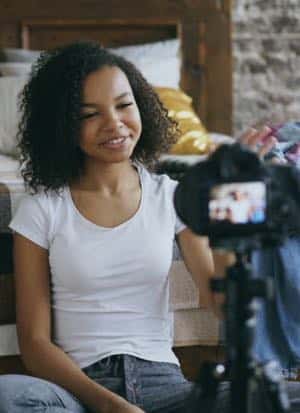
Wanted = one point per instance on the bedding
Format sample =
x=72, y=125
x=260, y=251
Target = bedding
x=164, y=49
x=11, y=54
x=14, y=69
x=10, y=87
x=194, y=138
x=159, y=62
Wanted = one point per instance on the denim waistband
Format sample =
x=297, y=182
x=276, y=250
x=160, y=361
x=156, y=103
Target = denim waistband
x=141, y=382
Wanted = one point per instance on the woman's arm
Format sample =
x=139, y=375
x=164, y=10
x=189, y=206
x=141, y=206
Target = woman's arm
x=203, y=264
x=40, y=356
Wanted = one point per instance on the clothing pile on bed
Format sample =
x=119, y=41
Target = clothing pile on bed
x=288, y=147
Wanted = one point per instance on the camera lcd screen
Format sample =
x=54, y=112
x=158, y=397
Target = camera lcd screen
x=238, y=203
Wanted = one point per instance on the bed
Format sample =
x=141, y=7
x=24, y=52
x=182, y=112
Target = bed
x=186, y=42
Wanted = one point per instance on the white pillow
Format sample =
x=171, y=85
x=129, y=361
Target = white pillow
x=10, y=87
x=18, y=55
x=159, y=62
x=14, y=69
x=8, y=164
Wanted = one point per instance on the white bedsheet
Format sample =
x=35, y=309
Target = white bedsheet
x=8, y=164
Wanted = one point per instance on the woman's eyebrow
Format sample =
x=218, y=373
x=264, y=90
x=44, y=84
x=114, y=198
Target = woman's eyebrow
x=93, y=105
x=86, y=104
x=122, y=95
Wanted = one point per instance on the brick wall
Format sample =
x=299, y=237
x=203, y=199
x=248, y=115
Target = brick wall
x=266, y=49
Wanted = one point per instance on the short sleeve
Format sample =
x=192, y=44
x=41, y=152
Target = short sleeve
x=179, y=225
x=31, y=220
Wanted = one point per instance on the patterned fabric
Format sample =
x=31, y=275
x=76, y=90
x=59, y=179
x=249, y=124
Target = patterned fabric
x=288, y=146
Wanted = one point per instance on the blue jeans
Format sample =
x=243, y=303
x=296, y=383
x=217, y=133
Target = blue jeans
x=155, y=387
x=277, y=331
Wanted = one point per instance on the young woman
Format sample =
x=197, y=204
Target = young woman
x=93, y=242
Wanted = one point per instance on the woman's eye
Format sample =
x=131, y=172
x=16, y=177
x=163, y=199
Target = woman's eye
x=124, y=105
x=84, y=116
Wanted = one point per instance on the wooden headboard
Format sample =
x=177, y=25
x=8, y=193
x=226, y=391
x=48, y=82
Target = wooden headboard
x=203, y=26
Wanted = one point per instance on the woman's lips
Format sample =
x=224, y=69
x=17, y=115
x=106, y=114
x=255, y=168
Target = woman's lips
x=115, y=143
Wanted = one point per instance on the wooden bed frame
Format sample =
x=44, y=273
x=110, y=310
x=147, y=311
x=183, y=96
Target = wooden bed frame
x=204, y=28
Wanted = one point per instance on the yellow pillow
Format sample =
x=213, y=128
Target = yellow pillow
x=194, y=138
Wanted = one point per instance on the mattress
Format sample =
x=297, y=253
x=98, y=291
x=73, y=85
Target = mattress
x=193, y=325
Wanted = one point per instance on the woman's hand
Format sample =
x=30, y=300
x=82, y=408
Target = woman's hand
x=260, y=142
x=120, y=405
x=127, y=408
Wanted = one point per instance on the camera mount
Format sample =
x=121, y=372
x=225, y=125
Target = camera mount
x=253, y=387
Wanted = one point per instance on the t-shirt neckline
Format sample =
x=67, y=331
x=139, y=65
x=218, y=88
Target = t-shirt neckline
x=91, y=224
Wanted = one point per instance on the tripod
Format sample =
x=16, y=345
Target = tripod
x=253, y=387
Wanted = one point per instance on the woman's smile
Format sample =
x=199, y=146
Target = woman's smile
x=115, y=143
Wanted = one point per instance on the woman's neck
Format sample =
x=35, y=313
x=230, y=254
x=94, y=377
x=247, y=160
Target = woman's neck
x=108, y=179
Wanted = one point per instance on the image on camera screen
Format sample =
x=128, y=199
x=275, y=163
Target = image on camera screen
x=238, y=203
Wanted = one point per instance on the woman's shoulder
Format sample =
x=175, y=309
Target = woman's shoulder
x=42, y=199
x=157, y=180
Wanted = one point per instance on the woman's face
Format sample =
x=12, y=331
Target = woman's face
x=111, y=123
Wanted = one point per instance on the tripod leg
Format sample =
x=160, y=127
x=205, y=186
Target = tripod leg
x=293, y=391
x=222, y=404
x=267, y=391
x=276, y=387
x=204, y=395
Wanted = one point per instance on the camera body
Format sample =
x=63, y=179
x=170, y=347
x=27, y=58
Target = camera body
x=234, y=197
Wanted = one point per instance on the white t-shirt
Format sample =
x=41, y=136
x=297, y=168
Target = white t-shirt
x=110, y=286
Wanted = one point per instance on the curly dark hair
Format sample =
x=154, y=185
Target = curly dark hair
x=50, y=104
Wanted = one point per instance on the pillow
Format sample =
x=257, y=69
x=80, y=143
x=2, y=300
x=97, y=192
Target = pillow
x=157, y=50
x=10, y=87
x=18, y=55
x=14, y=69
x=194, y=138
x=159, y=62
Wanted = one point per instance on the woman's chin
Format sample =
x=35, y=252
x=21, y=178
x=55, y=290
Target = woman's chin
x=110, y=158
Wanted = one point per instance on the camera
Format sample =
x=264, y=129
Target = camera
x=242, y=204
x=233, y=197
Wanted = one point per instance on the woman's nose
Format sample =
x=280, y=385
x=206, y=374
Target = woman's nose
x=113, y=122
